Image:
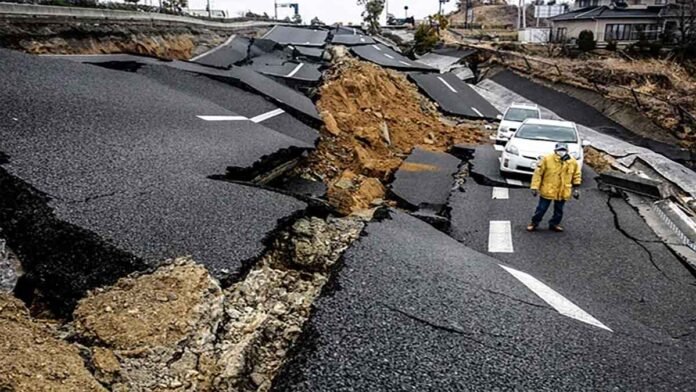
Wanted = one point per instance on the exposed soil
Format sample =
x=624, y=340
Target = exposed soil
x=373, y=118
x=597, y=160
x=69, y=37
x=32, y=359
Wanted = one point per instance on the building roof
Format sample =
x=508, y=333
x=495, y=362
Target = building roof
x=606, y=12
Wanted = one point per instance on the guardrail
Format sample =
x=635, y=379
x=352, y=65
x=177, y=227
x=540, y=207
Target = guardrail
x=12, y=10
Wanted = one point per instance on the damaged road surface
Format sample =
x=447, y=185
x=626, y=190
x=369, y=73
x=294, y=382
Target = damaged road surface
x=413, y=307
x=106, y=172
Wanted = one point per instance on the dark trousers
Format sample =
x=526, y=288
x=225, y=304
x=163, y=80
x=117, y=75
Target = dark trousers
x=543, y=206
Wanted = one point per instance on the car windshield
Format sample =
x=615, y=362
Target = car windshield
x=519, y=115
x=552, y=133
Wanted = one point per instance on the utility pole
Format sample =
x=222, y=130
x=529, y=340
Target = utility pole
x=406, y=11
x=210, y=14
x=275, y=4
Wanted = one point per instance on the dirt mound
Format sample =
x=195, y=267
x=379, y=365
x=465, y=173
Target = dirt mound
x=32, y=359
x=373, y=118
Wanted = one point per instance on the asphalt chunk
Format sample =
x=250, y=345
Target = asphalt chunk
x=382, y=55
x=425, y=179
x=286, y=35
x=454, y=96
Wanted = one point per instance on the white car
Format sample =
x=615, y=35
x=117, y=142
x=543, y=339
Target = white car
x=513, y=118
x=536, y=138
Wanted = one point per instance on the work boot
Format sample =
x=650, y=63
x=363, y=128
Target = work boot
x=531, y=227
x=557, y=229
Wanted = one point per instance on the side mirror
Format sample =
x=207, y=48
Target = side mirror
x=499, y=117
x=586, y=143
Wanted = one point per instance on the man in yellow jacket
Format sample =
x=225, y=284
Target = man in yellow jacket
x=556, y=179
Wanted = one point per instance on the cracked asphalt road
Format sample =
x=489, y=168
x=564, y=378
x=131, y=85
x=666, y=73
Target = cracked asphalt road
x=413, y=309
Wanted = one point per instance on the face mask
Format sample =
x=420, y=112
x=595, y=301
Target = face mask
x=561, y=153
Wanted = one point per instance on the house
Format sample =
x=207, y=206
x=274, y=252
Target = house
x=611, y=21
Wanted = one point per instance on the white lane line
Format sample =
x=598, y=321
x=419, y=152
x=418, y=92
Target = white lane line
x=477, y=112
x=376, y=47
x=223, y=118
x=513, y=181
x=266, y=116
x=498, y=147
x=405, y=63
x=500, y=193
x=449, y=86
x=557, y=301
x=296, y=70
x=389, y=56
x=500, y=237
x=362, y=39
x=213, y=50
x=354, y=31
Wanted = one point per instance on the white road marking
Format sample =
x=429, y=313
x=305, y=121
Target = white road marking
x=498, y=147
x=362, y=39
x=227, y=42
x=477, y=112
x=449, y=86
x=405, y=63
x=513, y=181
x=551, y=297
x=500, y=237
x=354, y=31
x=500, y=193
x=376, y=47
x=266, y=116
x=223, y=118
x=296, y=70
x=389, y=56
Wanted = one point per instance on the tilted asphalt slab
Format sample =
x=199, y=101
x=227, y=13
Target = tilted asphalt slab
x=454, y=96
x=121, y=157
x=308, y=52
x=425, y=179
x=252, y=106
x=445, y=59
x=386, y=57
x=226, y=55
x=485, y=168
x=413, y=309
x=347, y=30
x=288, y=69
x=242, y=76
x=351, y=39
x=286, y=35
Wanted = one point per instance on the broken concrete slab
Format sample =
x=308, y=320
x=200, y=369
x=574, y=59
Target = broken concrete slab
x=287, y=35
x=383, y=55
x=454, y=96
x=90, y=196
x=680, y=175
x=424, y=180
x=634, y=183
x=309, y=52
x=293, y=70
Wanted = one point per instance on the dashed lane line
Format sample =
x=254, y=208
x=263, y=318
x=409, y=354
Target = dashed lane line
x=296, y=70
x=500, y=237
x=389, y=56
x=477, y=111
x=223, y=118
x=553, y=298
x=377, y=47
x=500, y=193
x=213, y=50
x=513, y=181
x=405, y=63
x=266, y=116
x=449, y=86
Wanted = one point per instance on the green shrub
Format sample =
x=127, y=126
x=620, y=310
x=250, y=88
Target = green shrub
x=425, y=38
x=611, y=45
x=586, y=41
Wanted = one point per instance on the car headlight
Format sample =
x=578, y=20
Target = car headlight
x=510, y=149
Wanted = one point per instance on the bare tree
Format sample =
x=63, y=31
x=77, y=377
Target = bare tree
x=372, y=13
x=685, y=12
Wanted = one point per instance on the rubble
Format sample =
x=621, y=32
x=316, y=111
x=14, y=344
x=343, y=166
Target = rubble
x=10, y=268
x=373, y=118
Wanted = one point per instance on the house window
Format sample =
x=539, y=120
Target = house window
x=561, y=33
x=631, y=32
x=660, y=2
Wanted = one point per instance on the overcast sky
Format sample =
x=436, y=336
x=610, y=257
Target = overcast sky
x=329, y=11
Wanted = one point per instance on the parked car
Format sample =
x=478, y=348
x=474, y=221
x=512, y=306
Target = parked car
x=536, y=138
x=513, y=118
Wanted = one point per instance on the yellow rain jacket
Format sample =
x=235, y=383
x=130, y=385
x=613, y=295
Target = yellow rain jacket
x=554, y=178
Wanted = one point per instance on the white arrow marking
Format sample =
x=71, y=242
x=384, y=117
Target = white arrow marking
x=551, y=297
